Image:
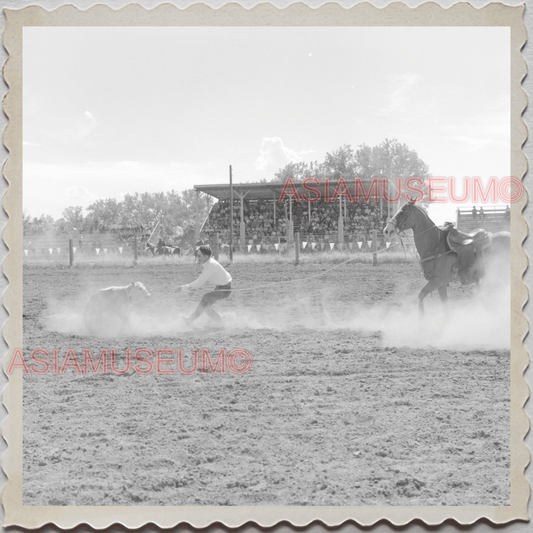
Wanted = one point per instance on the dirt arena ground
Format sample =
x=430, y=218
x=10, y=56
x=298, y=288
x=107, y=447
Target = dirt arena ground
x=351, y=400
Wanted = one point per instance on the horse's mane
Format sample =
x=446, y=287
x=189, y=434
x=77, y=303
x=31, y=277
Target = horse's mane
x=424, y=209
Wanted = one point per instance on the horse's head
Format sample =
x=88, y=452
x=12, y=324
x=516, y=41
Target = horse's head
x=401, y=221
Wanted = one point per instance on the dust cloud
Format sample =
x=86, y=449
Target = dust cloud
x=483, y=322
x=64, y=317
x=480, y=321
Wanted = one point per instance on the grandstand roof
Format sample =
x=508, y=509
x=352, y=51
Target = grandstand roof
x=264, y=191
x=254, y=190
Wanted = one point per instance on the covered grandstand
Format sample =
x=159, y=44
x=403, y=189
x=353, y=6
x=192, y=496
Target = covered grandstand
x=333, y=213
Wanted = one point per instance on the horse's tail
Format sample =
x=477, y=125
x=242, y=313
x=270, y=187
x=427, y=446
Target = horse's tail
x=501, y=243
x=498, y=259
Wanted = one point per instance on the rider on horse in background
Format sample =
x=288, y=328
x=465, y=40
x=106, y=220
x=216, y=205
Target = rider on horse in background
x=160, y=244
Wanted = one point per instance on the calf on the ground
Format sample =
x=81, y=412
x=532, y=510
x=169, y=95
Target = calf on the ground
x=109, y=308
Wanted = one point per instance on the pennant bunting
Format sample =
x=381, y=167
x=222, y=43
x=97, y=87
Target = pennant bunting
x=304, y=244
x=359, y=243
x=25, y=252
x=258, y=246
x=73, y=249
x=50, y=250
x=322, y=244
x=97, y=251
x=120, y=249
x=249, y=247
x=313, y=244
x=369, y=244
x=276, y=245
x=331, y=245
x=105, y=250
x=387, y=244
x=58, y=250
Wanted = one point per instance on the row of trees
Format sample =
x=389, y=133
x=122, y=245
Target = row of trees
x=177, y=213
x=389, y=159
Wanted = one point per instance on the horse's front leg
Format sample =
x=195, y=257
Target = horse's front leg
x=427, y=289
x=421, y=295
x=443, y=293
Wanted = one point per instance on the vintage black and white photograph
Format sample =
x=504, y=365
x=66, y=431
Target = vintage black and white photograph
x=267, y=265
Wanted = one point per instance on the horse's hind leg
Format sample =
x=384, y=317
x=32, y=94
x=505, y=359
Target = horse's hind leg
x=421, y=296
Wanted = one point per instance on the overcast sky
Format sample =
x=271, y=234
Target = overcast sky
x=110, y=111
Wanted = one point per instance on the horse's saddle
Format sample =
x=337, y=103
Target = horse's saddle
x=469, y=249
x=456, y=237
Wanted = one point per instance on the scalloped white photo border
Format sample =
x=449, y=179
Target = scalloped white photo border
x=396, y=14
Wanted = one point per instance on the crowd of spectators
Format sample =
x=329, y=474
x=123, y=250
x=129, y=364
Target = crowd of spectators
x=258, y=218
x=321, y=226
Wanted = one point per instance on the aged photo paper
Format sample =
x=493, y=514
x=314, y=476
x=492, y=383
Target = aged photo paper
x=265, y=265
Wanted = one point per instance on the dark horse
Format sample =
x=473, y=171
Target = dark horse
x=439, y=262
x=163, y=250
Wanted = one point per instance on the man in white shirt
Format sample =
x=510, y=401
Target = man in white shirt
x=212, y=272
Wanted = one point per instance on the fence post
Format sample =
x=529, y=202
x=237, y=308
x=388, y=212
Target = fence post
x=289, y=233
x=135, y=253
x=70, y=252
x=217, y=241
x=297, y=246
x=375, y=247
